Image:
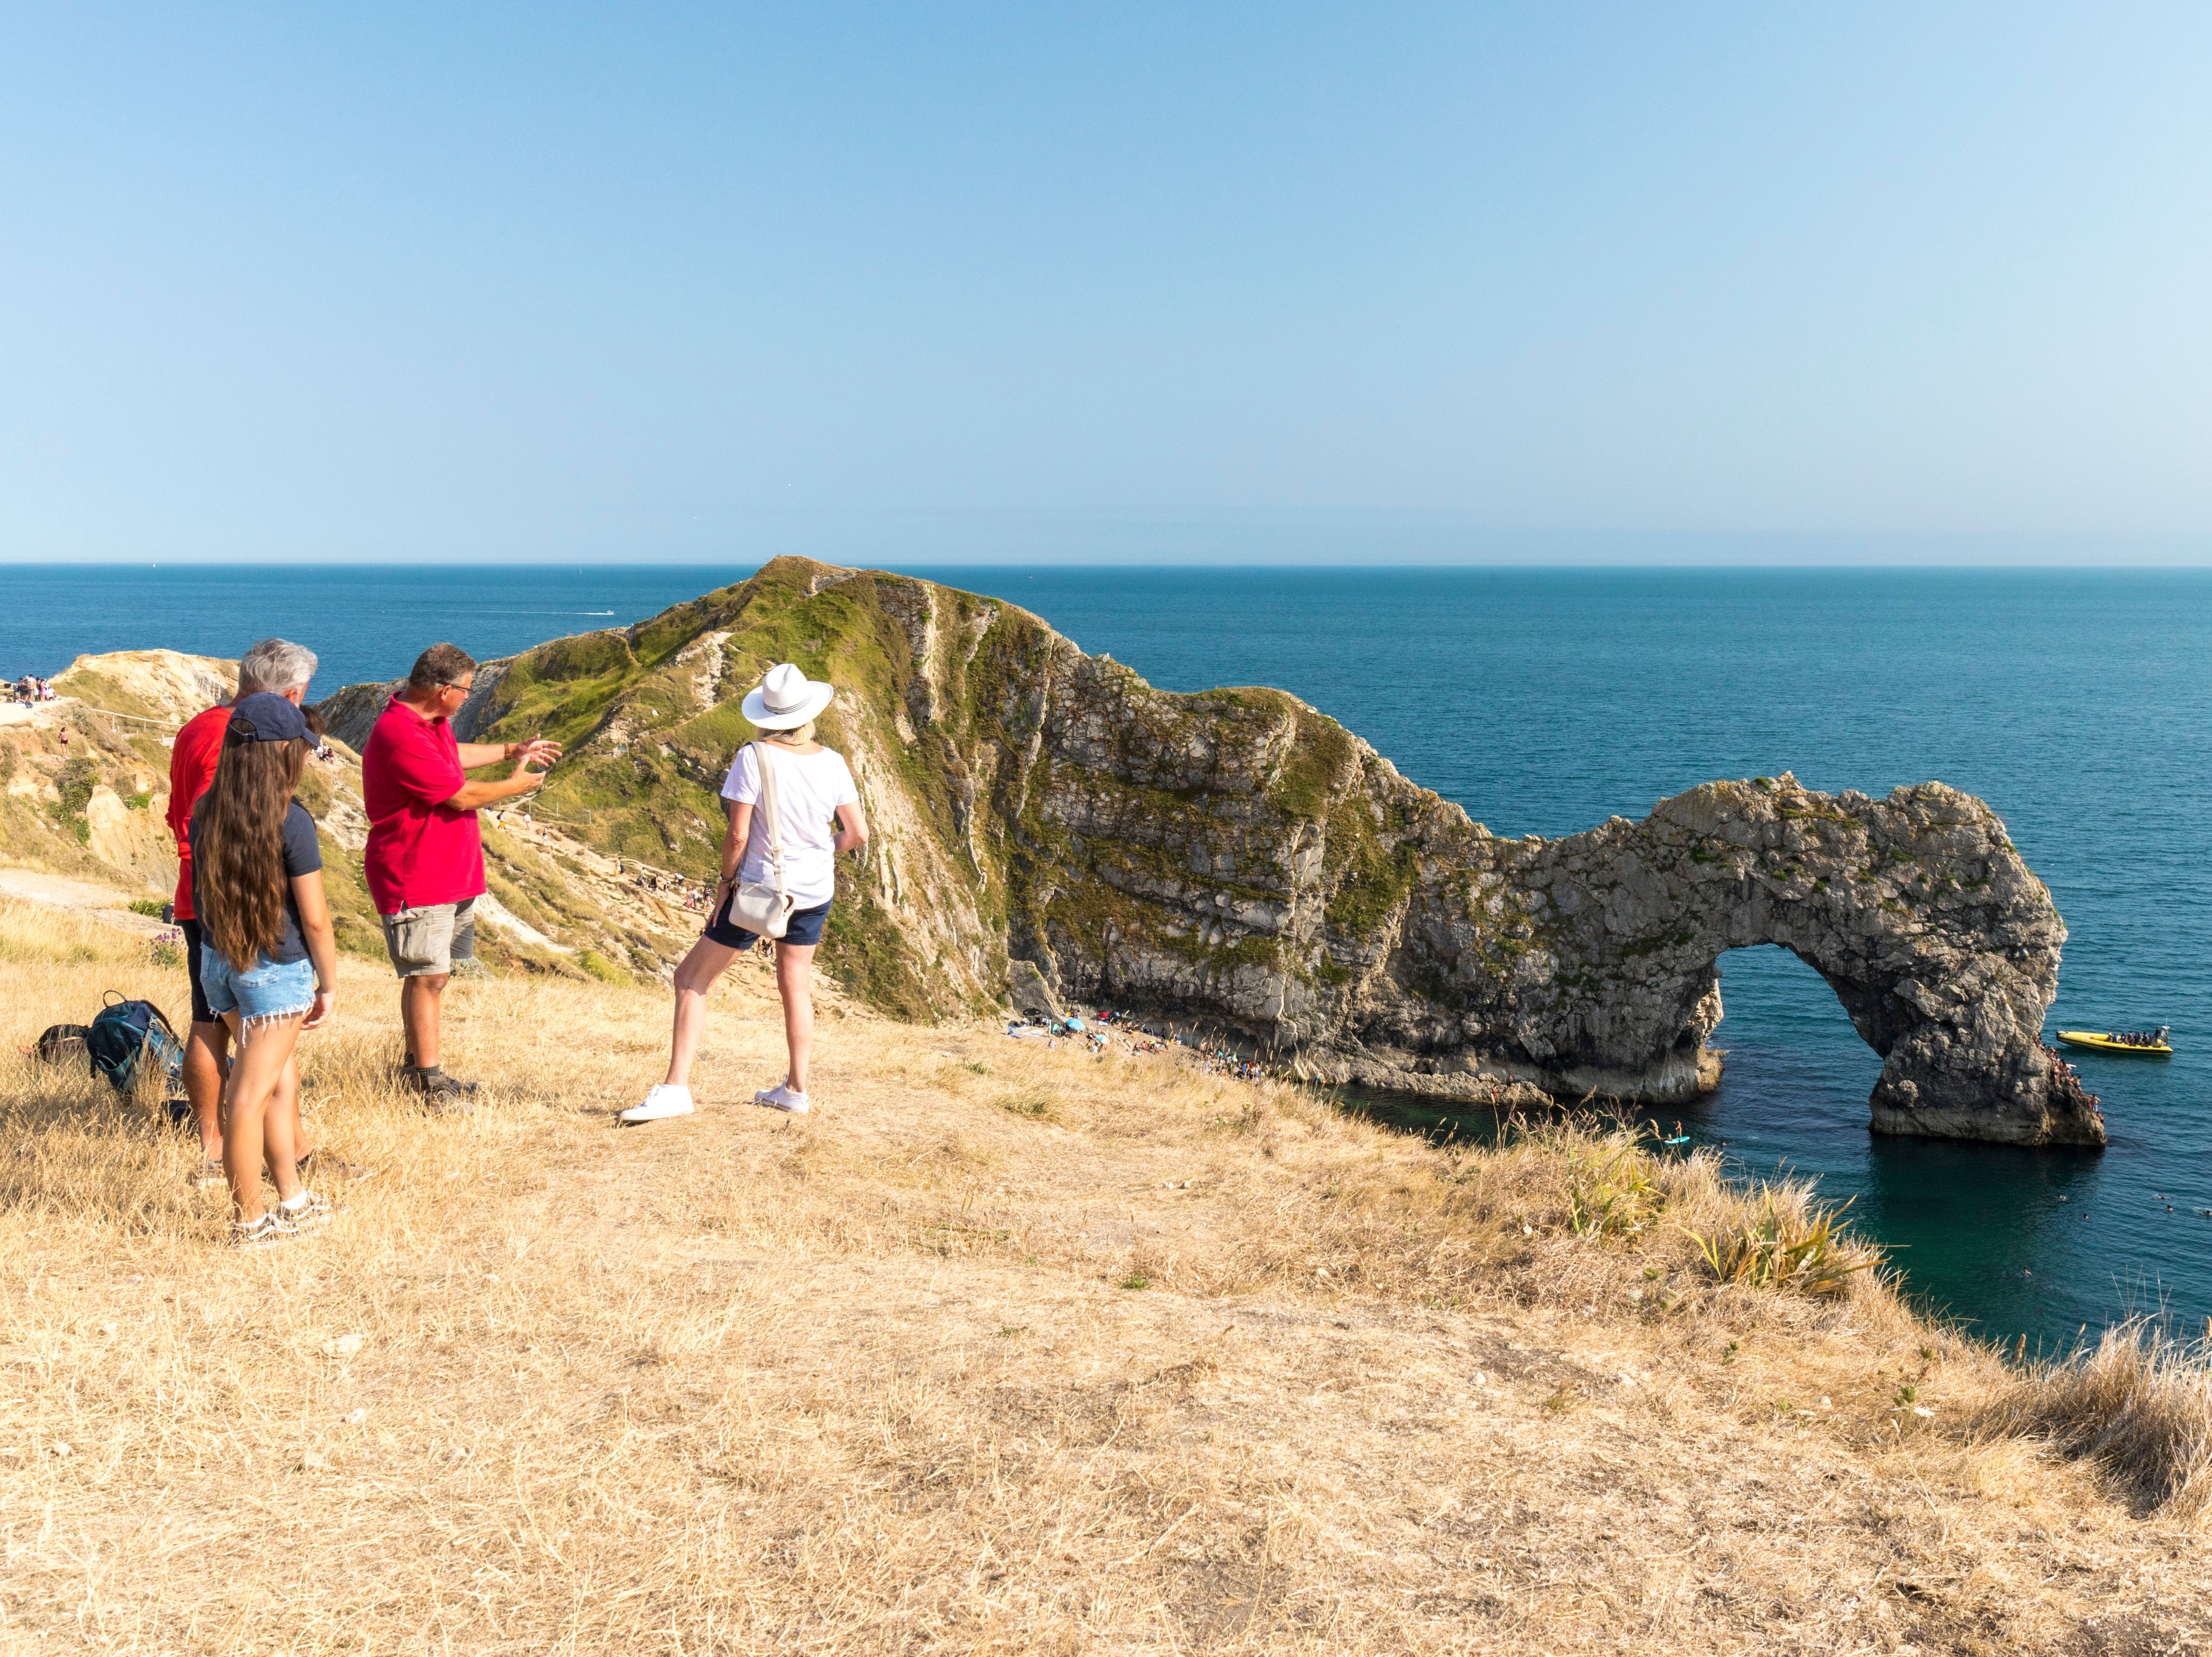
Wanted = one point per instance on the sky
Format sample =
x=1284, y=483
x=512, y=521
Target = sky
x=943, y=283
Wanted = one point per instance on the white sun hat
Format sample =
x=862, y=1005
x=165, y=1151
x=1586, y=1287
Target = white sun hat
x=785, y=699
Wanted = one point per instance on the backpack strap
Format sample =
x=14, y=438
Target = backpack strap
x=774, y=816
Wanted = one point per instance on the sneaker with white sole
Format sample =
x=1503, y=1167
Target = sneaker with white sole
x=780, y=1097
x=267, y=1232
x=306, y=1211
x=661, y=1101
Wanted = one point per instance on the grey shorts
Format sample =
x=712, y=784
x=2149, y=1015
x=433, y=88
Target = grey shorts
x=429, y=940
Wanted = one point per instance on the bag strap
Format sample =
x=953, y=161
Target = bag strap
x=774, y=816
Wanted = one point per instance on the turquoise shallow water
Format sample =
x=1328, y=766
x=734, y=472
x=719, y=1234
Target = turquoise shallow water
x=2076, y=704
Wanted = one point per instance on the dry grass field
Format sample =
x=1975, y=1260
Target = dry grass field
x=1000, y=1350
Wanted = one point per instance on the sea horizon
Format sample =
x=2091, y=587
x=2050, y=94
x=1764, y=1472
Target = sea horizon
x=2201, y=562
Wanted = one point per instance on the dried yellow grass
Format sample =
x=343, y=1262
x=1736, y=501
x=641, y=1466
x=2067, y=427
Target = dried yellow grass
x=883, y=1379
x=2138, y=1404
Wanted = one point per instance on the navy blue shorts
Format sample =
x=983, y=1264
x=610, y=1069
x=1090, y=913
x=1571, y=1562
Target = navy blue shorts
x=201, y=1013
x=806, y=927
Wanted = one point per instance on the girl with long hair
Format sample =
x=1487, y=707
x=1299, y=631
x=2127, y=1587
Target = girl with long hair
x=817, y=815
x=268, y=960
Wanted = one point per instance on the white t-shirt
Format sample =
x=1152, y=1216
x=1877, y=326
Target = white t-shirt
x=809, y=789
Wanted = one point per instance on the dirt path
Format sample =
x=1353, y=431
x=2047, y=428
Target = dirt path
x=107, y=904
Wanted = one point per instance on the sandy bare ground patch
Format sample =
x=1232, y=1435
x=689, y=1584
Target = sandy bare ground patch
x=1001, y=1350
x=106, y=903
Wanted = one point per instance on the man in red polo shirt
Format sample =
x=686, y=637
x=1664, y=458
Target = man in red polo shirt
x=425, y=856
x=276, y=666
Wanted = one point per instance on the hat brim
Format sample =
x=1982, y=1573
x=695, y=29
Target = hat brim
x=755, y=707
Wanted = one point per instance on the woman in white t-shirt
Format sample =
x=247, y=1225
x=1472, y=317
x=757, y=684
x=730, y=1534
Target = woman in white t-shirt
x=818, y=811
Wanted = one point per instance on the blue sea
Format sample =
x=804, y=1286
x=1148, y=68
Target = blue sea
x=1545, y=702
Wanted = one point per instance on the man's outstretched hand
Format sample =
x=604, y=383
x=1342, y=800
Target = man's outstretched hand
x=528, y=776
x=531, y=759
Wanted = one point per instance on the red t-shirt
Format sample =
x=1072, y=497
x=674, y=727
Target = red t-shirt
x=192, y=761
x=420, y=850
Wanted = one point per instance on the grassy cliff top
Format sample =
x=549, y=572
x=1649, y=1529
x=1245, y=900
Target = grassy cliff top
x=1001, y=1350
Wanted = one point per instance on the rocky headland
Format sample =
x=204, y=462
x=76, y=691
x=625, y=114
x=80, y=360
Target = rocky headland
x=1237, y=858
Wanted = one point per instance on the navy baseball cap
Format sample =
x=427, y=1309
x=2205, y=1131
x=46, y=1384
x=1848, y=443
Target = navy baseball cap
x=265, y=717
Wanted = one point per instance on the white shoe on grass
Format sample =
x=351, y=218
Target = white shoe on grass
x=780, y=1097
x=267, y=1232
x=660, y=1101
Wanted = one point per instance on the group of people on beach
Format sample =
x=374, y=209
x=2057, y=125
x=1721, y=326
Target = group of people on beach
x=259, y=946
x=1143, y=1039
x=1236, y=1067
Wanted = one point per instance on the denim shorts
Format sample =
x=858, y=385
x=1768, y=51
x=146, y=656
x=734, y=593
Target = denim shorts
x=272, y=990
x=804, y=927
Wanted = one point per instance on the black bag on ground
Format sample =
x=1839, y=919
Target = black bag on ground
x=126, y=1037
x=61, y=1041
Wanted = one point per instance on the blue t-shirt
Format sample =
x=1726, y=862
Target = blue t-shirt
x=302, y=856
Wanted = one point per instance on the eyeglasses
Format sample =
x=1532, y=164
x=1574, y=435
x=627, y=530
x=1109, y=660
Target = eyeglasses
x=464, y=689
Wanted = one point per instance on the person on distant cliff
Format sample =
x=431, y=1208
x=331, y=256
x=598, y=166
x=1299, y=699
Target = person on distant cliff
x=269, y=961
x=817, y=815
x=279, y=668
x=424, y=858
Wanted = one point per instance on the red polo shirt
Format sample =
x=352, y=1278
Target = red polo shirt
x=192, y=760
x=419, y=850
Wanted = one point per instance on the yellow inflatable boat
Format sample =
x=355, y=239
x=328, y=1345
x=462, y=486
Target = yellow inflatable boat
x=2103, y=1042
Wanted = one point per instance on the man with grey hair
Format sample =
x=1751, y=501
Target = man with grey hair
x=283, y=668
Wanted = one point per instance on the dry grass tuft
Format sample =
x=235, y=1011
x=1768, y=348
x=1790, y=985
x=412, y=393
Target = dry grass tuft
x=2139, y=1404
x=1000, y=1350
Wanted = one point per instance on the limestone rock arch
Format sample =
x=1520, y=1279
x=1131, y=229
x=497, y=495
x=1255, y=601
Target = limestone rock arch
x=1917, y=911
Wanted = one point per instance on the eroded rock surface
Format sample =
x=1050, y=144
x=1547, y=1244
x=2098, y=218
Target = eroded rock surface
x=1239, y=859
x=1238, y=854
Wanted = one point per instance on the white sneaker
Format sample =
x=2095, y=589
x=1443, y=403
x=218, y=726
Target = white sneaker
x=660, y=1101
x=780, y=1097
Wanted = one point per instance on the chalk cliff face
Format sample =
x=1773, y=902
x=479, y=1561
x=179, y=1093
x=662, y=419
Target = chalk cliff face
x=1238, y=857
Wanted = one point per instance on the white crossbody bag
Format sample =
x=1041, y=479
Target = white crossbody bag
x=764, y=910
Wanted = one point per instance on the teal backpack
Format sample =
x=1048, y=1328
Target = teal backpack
x=127, y=1038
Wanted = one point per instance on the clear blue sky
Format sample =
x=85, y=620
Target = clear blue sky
x=934, y=283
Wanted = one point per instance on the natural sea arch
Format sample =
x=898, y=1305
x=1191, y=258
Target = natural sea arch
x=1916, y=910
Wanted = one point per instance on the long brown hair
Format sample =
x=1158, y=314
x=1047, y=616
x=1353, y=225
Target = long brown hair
x=238, y=849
